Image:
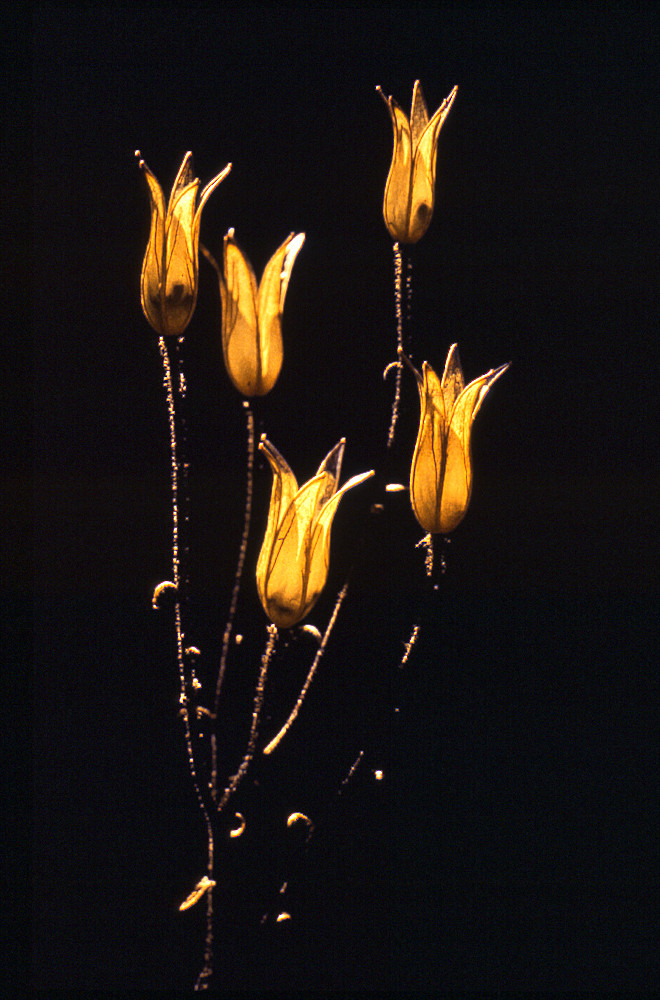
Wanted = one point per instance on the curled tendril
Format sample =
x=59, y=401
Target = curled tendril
x=392, y=365
x=298, y=817
x=159, y=590
x=313, y=631
x=238, y=830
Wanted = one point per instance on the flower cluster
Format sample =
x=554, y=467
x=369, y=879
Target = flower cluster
x=293, y=563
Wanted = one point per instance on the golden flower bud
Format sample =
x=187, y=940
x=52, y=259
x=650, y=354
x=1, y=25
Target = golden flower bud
x=410, y=187
x=293, y=562
x=169, y=270
x=251, y=317
x=441, y=471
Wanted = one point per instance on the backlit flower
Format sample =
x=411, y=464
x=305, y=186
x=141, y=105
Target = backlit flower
x=169, y=270
x=251, y=317
x=410, y=187
x=441, y=471
x=293, y=562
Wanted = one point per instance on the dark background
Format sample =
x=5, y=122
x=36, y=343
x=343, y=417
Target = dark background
x=510, y=845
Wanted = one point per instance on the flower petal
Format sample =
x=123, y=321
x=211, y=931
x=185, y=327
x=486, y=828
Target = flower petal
x=180, y=287
x=283, y=492
x=269, y=305
x=183, y=178
x=319, y=552
x=427, y=468
x=153, y=262
x=332, y=464
x=285, y=487
x=240, y=345
x=469, y=402
x=423, y=173
x=207, y=191
x=419, y=116
x=453, y=382
x=396, y=201
x=457, y=481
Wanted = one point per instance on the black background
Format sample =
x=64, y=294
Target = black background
x=510, y=844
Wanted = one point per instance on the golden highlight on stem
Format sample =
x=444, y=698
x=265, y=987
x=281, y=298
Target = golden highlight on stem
x=202, y=886
x=241, y=554
x=256, y=715
x=399, y=343
x=207, y=970
x=310, y=676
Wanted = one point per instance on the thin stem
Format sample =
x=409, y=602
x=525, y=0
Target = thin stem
x=176, y=578
x=180, y=390
x=408, y=646
x=207, y=970
x=399, y=340
x=176, y=568
x=408, y=290
x=236, y=589
x=310, y=676
x=236, y=779
x=425, y=543
x=353, y=769
x=241, y=556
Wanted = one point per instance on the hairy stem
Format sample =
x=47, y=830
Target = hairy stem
x=183, y=696
x=237, y=585
x=398, y=277
x=310, y=676
x=236, y=779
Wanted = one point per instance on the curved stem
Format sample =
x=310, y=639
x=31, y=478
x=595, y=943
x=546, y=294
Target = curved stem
x=310, y=676
x=236, y=589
